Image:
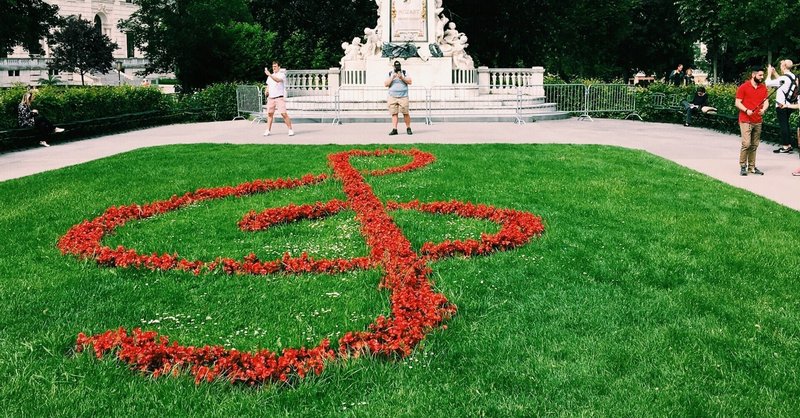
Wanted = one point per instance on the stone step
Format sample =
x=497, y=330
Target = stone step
x=503, y=106
x=420, y=117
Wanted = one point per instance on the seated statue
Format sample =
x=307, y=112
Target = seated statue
x=450, y=39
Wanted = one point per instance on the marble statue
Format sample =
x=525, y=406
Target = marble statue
x=462, y=60
x=372, y=43
x=352, y=51
x=441, y=22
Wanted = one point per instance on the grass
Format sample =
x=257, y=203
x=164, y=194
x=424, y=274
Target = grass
x=655, y=291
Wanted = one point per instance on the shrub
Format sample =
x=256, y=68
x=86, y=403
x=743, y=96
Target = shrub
x=62, y=104
x=220, y=99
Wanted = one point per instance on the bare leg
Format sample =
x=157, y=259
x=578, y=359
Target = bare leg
x=407, y=119
x=286, y=120
x=270, y=117
x=394, y=121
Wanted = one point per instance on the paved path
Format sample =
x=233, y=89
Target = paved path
x=706, y=151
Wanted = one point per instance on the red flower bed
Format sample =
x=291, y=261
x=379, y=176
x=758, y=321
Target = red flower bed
x=416, y=308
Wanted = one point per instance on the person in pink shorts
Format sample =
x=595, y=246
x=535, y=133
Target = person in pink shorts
x=276, y=96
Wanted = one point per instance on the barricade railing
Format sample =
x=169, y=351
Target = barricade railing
x=453, y=99
x=569, y=98
x=578, y=99
x=249, y=101
x=374, y=98
x=607, y=98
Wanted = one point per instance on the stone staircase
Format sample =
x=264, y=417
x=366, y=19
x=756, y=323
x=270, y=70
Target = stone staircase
x=465, y=105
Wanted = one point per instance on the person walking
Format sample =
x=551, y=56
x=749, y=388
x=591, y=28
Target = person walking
x=752, y=102
x=28, y=117
x=276, y=97
x=398, y=82
x=784, y=85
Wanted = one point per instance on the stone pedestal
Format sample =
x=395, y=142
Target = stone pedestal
x=433, y=72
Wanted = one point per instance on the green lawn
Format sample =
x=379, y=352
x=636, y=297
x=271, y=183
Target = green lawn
x=654, y=291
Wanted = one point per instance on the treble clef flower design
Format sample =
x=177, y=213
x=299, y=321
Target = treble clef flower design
x=416, y=308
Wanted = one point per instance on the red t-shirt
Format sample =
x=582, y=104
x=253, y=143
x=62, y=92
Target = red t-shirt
x=753, y=99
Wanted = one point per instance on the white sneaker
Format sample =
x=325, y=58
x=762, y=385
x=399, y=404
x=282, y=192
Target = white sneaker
x=291, y=132
x=44, y=144
x=266, y=133
x=58, y=130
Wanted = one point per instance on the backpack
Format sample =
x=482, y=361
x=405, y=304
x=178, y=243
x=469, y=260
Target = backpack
x=794, y=88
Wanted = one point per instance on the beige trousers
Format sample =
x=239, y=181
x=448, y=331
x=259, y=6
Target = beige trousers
x=751, y=137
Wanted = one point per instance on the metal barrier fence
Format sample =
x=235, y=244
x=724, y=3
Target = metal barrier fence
x=249, y=101
x=578, y=99
x=605, y=98
x=369, y=99
x=593, y=98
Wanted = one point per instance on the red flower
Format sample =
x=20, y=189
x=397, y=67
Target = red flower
x=416, y=307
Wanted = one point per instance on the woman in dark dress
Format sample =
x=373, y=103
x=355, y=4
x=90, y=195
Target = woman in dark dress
x=30, y=118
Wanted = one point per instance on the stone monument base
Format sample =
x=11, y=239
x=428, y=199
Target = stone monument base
x=433, y=72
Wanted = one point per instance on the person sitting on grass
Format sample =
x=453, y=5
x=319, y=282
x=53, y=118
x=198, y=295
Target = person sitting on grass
x=699, y=103
x=30, y=118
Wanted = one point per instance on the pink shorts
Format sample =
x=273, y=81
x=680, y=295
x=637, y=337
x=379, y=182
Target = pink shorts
x=278, y=102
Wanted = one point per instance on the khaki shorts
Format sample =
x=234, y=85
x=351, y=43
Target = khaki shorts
x=277, y=102
x=398, y=105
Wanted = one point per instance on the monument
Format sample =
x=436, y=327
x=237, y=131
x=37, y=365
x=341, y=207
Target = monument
x=414, y=32
x=434, y=52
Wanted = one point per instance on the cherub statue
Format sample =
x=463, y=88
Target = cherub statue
x=372, y=43
x=352, y=51
x=441, y=22
x=462, y=60
x=450, y=39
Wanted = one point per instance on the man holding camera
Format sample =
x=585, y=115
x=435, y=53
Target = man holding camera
x=398, y=82
x=276, y=92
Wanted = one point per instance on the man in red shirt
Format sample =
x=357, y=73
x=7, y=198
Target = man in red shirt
x=752, y=102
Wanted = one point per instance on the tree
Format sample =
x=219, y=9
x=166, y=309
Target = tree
x=309, y=33
x=79, y=47
x=251, y=49
x=739, y=34
x=26, y=23
x=192, y=38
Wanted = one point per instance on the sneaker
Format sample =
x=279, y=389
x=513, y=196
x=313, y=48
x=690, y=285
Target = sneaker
x=44, y=144
x=266, y=133
x=796, y=172
x=685, y=124
x=58, y=130
x=291, y=132
x=743, y=171
x=783, y=150
x=408, y=131
x=757, y=171
x=394, y=132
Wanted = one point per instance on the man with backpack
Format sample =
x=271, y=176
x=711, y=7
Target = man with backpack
x=787, y=85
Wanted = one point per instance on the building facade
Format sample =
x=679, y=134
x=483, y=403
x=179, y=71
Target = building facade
x=22, y=67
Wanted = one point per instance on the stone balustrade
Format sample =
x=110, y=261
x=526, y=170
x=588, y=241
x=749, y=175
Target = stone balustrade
x=487, y=80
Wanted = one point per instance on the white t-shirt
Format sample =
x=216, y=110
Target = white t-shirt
x=277, y=88
x=782, y=83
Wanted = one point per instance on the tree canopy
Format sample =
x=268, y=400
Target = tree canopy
x=26, y=23
x=205, y=41
x=78, y=46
